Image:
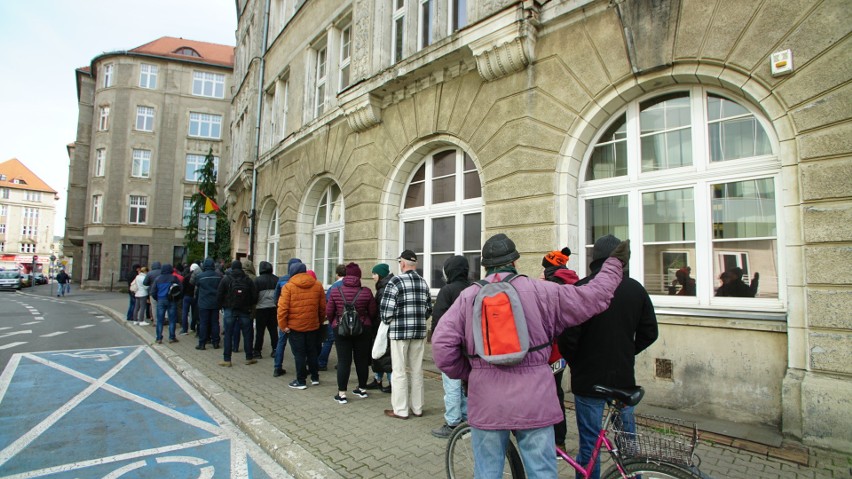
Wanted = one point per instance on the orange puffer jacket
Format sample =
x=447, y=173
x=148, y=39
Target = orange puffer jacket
x=301, y=306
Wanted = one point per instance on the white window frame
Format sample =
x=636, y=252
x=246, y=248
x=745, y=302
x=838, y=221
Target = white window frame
x=186, y=215
x=108, y=71
x=199, y=122
x=141, y=163
x=425, y=23
x=34, y=196
x=148, y=76
x=320, y=89
x=324, y=232
x=284, y=107
x=208, y=84
x=103, y=119
x=29, y=223
x=700, y=176
x=198, y=161
x=398, y=31
x=2, y=228
x=97, y=208
x=100, y=162
x=144, y=118
x=344, y=64
x=138, y=211
x=459, y=208
x=272, y=239
x=4, y=210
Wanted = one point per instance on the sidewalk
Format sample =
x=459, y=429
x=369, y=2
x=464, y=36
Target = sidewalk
x=312, y=436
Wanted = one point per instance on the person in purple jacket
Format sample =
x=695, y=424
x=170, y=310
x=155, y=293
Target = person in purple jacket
x=521, y=398
x=349, y=347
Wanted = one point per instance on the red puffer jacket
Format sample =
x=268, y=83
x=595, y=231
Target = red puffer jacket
x=365, y=304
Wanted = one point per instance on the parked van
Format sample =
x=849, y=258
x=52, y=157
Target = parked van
x=10, y=280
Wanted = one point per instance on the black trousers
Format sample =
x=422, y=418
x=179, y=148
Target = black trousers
x=353, y=347
x=265, y=319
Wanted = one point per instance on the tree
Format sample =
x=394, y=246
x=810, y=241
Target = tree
x=221, y=248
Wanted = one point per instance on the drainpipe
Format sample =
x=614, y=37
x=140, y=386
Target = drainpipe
x=260, y=76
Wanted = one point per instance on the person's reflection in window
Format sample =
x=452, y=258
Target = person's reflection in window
x=687, y=284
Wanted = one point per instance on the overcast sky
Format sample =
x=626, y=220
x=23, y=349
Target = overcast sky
x=42, y=42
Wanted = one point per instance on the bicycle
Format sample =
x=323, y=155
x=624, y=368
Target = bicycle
x=653, y=453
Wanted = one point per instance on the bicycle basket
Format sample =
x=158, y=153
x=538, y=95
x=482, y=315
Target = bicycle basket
x=657, y=439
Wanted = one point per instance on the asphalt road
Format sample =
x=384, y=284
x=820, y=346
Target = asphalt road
x=82, y=396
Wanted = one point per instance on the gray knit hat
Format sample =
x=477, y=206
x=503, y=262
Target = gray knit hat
x=499, y=250
x=604, y=246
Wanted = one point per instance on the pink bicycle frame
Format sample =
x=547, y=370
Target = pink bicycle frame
x=587, y=471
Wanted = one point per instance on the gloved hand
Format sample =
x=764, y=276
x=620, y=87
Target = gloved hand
x=622, y=252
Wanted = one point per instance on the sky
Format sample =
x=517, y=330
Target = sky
x=42, y=43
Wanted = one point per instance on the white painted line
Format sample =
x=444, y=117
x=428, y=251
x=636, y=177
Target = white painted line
x=30, y=323
x=107, y=320
x=3, y=328
x=39, y=317
x=116, y=458
x=34, y=311
x=11, y=345
x=15, y=333
x=85, y=326
x=6, y=376
x=50, y=335
x=22, y=442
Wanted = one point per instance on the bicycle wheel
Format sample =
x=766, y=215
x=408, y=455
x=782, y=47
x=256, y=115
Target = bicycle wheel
x=651, y=470
x=459, y=456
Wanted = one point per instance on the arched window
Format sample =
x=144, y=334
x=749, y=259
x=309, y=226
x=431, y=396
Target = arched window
x=328, y=234
x=690, y=177
x=442, y=213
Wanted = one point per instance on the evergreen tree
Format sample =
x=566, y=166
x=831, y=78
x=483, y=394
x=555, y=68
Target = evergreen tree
x=221, y=248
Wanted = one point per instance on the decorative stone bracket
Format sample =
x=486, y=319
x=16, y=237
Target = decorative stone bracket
x=363, y=112
x=505, y=51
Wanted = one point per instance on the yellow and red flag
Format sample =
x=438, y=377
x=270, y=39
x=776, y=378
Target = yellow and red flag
x=209, y=205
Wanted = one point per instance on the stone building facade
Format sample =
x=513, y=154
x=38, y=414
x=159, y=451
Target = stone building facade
x=713, y=134
x=147, y=119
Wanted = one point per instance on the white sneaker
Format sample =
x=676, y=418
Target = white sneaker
x=144, y=323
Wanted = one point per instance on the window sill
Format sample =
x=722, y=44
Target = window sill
x=755, y=320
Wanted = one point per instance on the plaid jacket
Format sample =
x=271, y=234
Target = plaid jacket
x=405, y=306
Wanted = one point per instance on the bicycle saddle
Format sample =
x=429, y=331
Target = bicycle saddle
x=629, y=396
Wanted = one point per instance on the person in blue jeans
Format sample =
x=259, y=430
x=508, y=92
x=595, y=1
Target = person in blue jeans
x=190, y=303
x=532, y=408
x=237, y=295
x=206, y=293
x=456, y=271
x=327, y=344
x=281, y=346
x=603, y=349
x=166, y=305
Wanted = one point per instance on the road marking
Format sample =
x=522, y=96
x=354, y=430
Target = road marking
x=30, y=323
x=39, y=317
x=85, y=326
x=15, y=333
x=11, y=345
x=3, y=328
x=50, y=335
x=106, y=320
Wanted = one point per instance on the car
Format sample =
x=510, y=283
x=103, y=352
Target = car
x=40, y=278
x=10, y=280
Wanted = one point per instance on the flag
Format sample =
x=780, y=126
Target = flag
x=209, y=205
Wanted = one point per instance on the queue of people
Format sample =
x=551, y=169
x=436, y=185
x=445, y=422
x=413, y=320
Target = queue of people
x=582, y=321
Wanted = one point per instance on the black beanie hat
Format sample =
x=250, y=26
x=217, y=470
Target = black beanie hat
x=604, y=246
x=499, y=250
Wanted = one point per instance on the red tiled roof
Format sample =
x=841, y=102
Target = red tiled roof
x=209, y=52
x=15, y=170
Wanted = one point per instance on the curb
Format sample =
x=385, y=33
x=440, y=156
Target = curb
x=289, y=455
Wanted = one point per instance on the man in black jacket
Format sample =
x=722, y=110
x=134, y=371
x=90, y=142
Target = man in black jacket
x=237, y=295
x=456, y=270
x=603, y=349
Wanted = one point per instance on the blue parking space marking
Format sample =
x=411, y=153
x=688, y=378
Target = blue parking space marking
x=112, y=413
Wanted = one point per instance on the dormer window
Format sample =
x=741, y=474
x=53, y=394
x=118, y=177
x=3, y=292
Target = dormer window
x=190, y=52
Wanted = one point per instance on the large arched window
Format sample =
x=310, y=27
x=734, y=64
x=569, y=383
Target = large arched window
x=328, y=234
x=690, y=177
x=442, y=213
